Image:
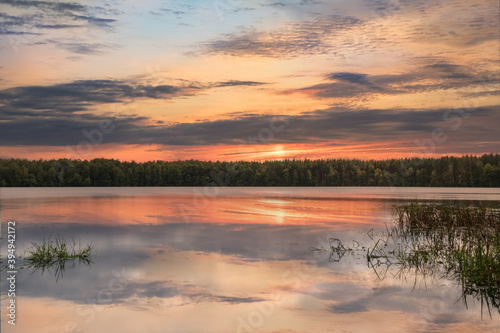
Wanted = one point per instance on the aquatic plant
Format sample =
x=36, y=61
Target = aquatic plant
x=459, y=241
x=428, y=241
x=57, y=255
x=55, y=250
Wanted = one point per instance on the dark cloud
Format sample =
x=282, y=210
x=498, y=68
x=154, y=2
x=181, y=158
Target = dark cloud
x=349, y=307
x=274, y=4
x=45, y=5
x=160, y=289
x=81, y=47
x=232, y=83
x=344, y=85
x=53, y=114
x=57, y=26
x=446, y=71
x=295, y=39
x=445, y=319
x=8, y=32
x=475, y=94
x=11, y=20
x=10, y=25
x=320, y=126
x=479, y=40
x=434, y=76
x=95, y=21
x=36, y=16
x=238, y=300
x=55, y=130
x=349, y=77
x=81, y=95
x=386, y=298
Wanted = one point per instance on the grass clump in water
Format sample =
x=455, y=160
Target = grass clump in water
x=462, y=241
x=55, y=254
x=49, y=251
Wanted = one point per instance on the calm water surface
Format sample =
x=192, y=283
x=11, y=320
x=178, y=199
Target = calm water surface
x=228, y=260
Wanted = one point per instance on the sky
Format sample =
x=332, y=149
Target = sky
x=248, y=80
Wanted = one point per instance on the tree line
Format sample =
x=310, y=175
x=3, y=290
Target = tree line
x=464, y=171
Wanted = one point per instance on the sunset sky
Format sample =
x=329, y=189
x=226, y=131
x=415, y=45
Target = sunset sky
x=248, y=80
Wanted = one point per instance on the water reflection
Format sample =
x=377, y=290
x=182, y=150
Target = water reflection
x=174, y=209
x=240, y=264
x=57, y=268
x=423, y=256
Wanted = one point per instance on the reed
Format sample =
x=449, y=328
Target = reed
x=461, y=241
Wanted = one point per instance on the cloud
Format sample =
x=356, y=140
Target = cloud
x=445, y=319
x=144, y=289
x=344, y=85
x=85, y=284
x=33, y=17
x=141, y=289
x=160, y=289
x=233, y=83
x=235, y=247
x=274, y=4
x=435, y=76
x=82, y=95
x=92, y=20
x=386, y=298
x=383, y=7
x=238, y=300
x=45, y=5
x=480, y=40
x=81, y=47
x=9, y=25
x=293, y=40
x=45, y=128
x=349, y=307
x=9, y=32
x=57, y=26
x=171, y=11
x=349, y=77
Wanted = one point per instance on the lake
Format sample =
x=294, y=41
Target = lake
x=229, y=260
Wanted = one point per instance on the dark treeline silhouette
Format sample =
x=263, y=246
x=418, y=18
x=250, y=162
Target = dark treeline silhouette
x=445, y=171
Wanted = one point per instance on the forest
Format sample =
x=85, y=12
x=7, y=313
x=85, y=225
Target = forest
x=464, y=171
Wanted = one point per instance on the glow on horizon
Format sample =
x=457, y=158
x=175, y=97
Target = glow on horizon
x=227, y=153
